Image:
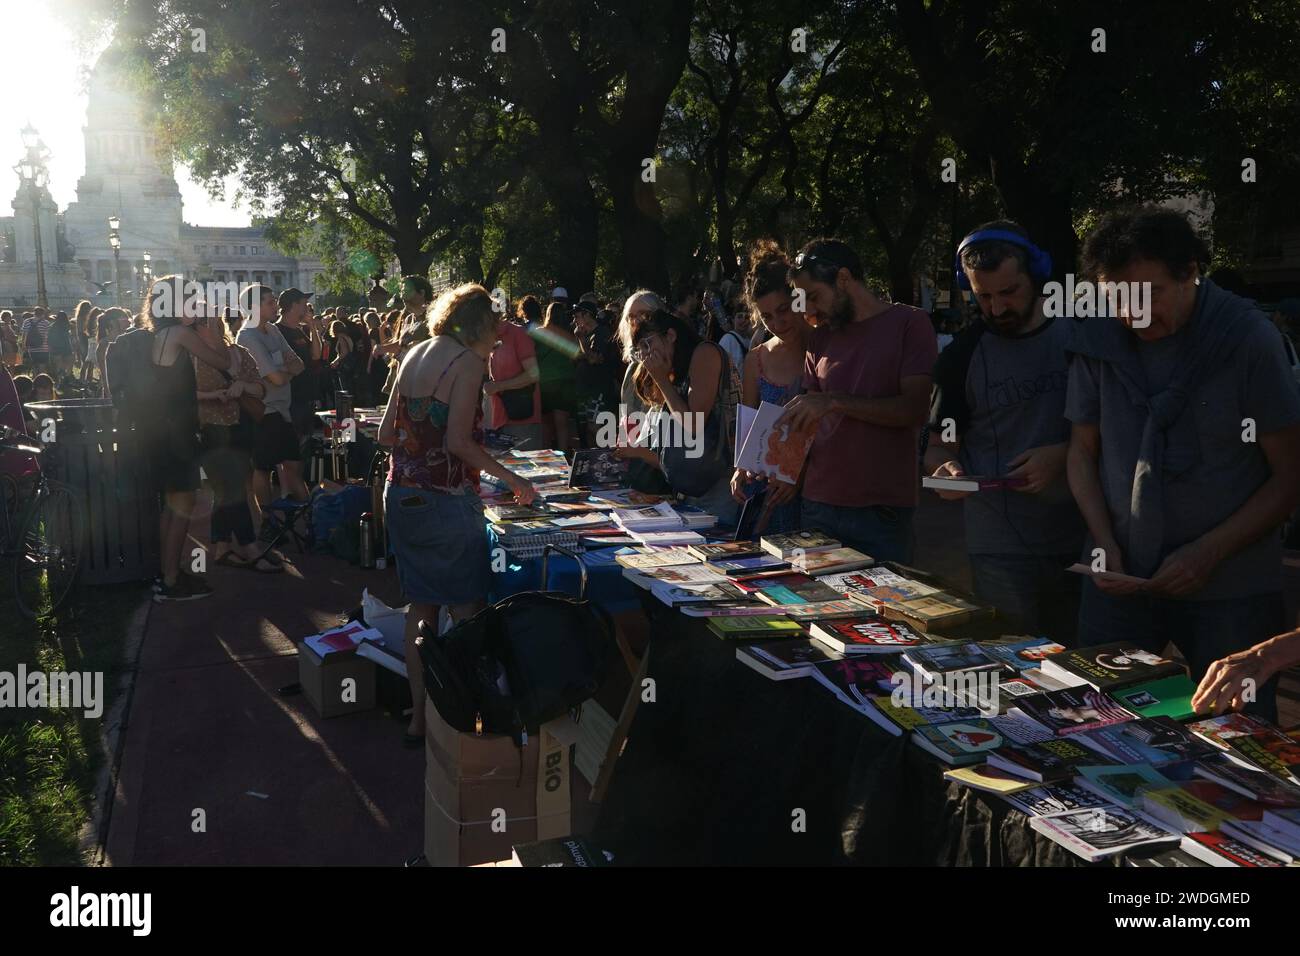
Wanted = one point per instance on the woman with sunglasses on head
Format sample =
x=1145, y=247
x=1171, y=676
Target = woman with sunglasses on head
x=691, y=392
x=227, y=444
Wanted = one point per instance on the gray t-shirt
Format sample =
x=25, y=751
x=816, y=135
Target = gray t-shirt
x=1209, y=470
x=1007, y=395
x=271, y=352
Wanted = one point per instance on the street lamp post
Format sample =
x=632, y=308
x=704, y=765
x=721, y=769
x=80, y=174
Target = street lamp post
x=34, y=176
x=146, y=276
x=115, y=240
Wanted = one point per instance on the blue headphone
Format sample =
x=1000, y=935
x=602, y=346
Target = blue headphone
x=1040, y=263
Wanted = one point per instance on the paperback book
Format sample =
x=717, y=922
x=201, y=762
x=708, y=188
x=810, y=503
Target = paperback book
x=1100, y=832
x=1073, y=710
x=1107, y=666
x=797, y=542
x=869, y=636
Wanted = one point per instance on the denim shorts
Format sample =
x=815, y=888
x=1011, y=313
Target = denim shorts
x=441, y=545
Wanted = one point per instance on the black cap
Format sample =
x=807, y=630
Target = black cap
x=291, y=297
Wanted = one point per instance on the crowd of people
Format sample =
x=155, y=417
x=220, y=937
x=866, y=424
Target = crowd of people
x=1162, y=449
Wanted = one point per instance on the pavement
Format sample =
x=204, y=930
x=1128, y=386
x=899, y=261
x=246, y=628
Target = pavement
x=276, y=784
x=207, y=731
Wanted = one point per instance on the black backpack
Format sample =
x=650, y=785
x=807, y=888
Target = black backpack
x=527, y=659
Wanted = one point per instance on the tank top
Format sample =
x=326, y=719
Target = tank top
x=769, y=391
x=420, y=455
x=175, y=398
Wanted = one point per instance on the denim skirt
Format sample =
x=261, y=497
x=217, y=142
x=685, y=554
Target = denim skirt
x=441, y=545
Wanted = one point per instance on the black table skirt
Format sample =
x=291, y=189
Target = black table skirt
x=727, y=767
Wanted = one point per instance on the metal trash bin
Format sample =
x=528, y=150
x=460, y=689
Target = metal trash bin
x=108, y=469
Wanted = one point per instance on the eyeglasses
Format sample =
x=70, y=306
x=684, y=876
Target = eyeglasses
x=806, y=259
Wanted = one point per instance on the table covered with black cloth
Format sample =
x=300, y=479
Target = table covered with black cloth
x=727, y=767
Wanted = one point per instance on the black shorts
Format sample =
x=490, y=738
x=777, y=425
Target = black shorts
x=274, y=443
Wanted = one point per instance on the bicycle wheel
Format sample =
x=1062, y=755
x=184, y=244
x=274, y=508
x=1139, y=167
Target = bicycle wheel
x=49, y=551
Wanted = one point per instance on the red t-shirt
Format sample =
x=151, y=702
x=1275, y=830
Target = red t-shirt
x=507, y=362
x=853, y=463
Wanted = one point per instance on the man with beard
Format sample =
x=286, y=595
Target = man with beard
x=867, y=392
x=998, y=409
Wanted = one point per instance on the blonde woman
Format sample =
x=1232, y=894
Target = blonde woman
x=433, y=424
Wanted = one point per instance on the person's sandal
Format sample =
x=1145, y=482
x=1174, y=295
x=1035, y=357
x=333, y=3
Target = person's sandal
x=270, y=567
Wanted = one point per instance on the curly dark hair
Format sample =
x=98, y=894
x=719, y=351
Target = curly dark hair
x=769, y=271
x=1146, y=232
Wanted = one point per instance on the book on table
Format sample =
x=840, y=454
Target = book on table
x=677, y=595
x=867, y=636
x=1106, y=666
x=835, y=561
x=1100, y=832
x=797, y=542
x=757, y=564
x=642, y=559
x=935, y=660
x=1165, y=697
x=1050, y=798
x=1217, y=849
x=937, y=611
x=597, y=468
x=784, y=659
x=1047, y=761
x=828, y=611
x=980, y=776
x=1073, y=710
x=1023, y=653
x=727, y=550
x=1120, y=784
x=727, y=609
x=1248, y=780
x=781, y=588
x=753, y=628
x=959, y=742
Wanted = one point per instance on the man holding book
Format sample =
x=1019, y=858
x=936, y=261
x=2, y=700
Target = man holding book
x=1184, y=451
x=866, y=389
x=998, y=410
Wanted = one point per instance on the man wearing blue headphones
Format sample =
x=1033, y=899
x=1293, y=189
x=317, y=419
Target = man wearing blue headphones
x=998, y=410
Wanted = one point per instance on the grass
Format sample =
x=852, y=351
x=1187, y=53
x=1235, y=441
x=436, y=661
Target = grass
x=49, y=759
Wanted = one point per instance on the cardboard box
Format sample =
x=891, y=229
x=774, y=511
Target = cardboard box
x=323, y=682
x=482, y=794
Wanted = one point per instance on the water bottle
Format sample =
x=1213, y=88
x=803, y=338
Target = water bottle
x=368, y=541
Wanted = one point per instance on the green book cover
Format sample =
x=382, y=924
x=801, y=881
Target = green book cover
x=1167, y=697
x=755, y=626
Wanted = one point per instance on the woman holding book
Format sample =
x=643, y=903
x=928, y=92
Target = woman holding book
x=434, y=425
x=690, y=390
x=773, y=373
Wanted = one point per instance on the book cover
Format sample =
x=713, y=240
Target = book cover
x=910, y=718
x=936, y=659
x=642, y=559
x=561, y=851
x=958, y=742
x=791, y=589
x=676, y=594
x=1110, y=665
x=797, y=542
x=597, y=468
x=1052, y=798
x=856, y=680
x=728, y=609
x=774, y=448
x=759, y=564
x=989, y=779
x=753, y=628
x=1175, y=807
x=1218, y=730
x=1100, y=832
x=1256, y=784
x=1166, y=697
x=869, y=636
x=727, y=550
x=693, y=573
x=1271, y=750
x=1121, y=785
x=835, y=561
x=1219, y=850
x=828, y=611
x=1023, y=654
x=1073, y=710
x=793, y=652
x=1047, y=761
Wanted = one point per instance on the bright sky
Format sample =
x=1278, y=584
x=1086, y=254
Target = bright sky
x=45, y=84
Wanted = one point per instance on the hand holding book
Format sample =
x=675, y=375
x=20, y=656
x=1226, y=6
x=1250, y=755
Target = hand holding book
x=950, y=469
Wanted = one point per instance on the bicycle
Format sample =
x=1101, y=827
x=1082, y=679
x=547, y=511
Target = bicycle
x=44, y=531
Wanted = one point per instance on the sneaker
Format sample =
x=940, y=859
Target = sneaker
x=186, y=588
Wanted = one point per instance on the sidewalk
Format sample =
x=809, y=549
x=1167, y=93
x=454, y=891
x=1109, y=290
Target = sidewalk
x=207, y=730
